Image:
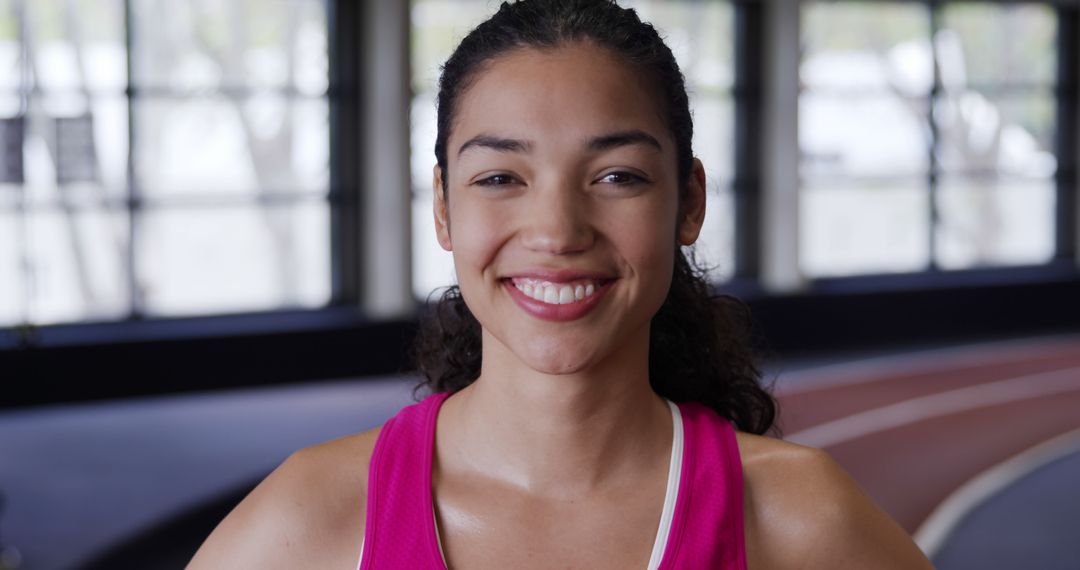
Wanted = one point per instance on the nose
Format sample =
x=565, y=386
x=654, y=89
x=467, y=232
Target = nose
x=557, y=221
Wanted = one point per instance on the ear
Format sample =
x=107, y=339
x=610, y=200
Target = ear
x=441, y=210
x=692, y=212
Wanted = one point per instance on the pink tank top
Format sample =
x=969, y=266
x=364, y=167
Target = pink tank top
x=706, y=529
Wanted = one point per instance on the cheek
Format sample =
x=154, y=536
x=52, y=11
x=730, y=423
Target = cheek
x=475, y=234
x=648, y=236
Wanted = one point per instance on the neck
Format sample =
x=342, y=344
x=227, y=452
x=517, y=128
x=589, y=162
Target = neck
x=557, y=435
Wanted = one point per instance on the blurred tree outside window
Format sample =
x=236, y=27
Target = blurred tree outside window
x=177, y=167
x=700, y=34
x=926, y=136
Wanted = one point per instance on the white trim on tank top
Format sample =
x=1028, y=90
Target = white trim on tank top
x=667, y=513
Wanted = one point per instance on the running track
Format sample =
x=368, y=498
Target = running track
x=914, y=429
x=115, y=481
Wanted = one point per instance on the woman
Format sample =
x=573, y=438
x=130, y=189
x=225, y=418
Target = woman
x=565, y=187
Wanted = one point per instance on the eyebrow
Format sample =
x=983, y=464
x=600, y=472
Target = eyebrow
x=496, y=143
x=623, y=138
x=600, y=143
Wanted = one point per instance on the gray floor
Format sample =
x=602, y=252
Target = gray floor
x=77, y=479
x=1029, y=524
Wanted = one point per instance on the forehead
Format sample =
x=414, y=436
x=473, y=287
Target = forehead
x=570, y=92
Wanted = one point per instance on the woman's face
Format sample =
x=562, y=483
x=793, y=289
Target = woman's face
x=562, y=208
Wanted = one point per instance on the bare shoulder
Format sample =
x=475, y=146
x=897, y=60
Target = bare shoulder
x=802, y=510
x=308, y=513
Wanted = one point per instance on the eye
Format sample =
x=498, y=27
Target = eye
x=496, y=180
x=621, y=178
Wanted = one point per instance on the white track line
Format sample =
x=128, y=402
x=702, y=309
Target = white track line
x=919, y=362
x=937, y=405
x=932, y=535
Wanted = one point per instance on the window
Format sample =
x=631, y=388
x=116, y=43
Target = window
x=701, y=35
x=174, y=165
x=926, y=135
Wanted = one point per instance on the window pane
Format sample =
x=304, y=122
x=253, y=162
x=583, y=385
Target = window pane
x=244, y=257
x=432, y=266
x=714, y=136
x=715, y=247
x=81, y=155
x=12, y=282
x=236, y=147
x=187, y=44
x=843, y=136
x=700, y=35
x=77, y=45
x=1006, y=134
x=987, y=43
x=714, y=133
x=859, y=228
x=11, y=70
x=438, y=26
x=76, y=259
x=879, y=46
x=995, y=221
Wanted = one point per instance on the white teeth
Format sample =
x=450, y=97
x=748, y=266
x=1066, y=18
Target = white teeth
x=566, y=294
x=555, y=294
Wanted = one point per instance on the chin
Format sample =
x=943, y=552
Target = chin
x=557, y=359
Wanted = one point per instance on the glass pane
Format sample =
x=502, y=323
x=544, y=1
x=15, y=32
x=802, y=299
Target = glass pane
x=437, y=27
x=76, y=264
x=12, y=156
x=995, y=221
x=877, y=46
x=714, y=132
x=714, y=136
x=234, y=258
x=422, y=143
x=11, y=69
x=12, y=282
x=10, y=196
x=77, y=44
x=11, y=105
x=863, y=228
x=233, y=147
x=189, y=44
x=715, y=247
x=1009, y=135
x=82, y=156
x=972, y=49
x=432, y=266
x=700, y=35
x=843, y=136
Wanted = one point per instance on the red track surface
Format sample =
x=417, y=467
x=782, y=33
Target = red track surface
x=910, y=469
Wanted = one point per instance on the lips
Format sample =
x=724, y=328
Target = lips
x=557, y=297
x=556, y=293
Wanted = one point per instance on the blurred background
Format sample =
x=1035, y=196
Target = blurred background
x=215, y=242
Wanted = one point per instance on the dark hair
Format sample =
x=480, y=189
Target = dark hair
x=699, y=345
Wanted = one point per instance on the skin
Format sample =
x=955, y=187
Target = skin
x=557, y=455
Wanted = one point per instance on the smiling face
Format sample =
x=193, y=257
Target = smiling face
x=562, y=208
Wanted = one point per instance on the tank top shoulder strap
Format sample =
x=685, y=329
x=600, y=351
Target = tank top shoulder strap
x=400, y=531
x=707, y=528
